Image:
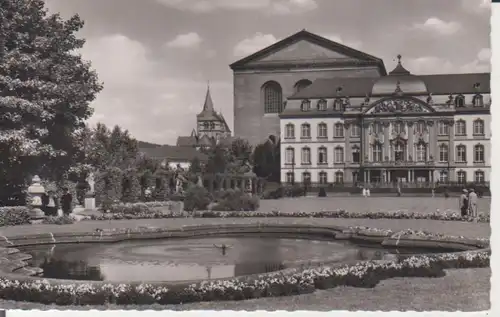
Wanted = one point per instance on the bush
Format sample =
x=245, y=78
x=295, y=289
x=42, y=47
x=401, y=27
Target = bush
x=63, y=220
x=294, y=191
x=276, y=193
x=131, y=186
x=196, y=198
x=14, y=216
x=322, y=192
x=109, y=187
x=236, y=200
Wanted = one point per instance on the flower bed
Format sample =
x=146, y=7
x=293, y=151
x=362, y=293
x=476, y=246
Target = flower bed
x=363, y=274
x=13, y=216
x=151, y=210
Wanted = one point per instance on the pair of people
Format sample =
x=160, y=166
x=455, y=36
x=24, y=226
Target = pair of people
x=366, y=192
x=51, y=203
x=468, y=203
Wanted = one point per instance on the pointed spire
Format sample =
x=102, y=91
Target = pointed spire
x=399, y=69
x=209, y=105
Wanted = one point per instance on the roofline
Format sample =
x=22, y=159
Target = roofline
x=316, y=38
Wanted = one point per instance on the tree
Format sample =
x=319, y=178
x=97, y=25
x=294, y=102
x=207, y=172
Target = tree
x=45, y=92
x=195, y=166
x=217, y=160
x=241, y=150
x=266, y=160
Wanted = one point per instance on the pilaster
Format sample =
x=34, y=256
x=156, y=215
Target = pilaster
x=410, y=145
x=347, y=142
x=386, y=150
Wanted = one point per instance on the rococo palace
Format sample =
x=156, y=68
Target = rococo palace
x=342, y=118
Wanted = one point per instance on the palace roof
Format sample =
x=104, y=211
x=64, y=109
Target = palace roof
x=173, y=153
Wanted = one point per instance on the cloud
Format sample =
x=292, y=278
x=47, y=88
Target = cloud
x=141, y=95
x=477, y=6
x=482, y=63
x=437, y=65
x=253, y=44
x=437, y=25
x=280, y=7
x=336, y=38
x=187, y=40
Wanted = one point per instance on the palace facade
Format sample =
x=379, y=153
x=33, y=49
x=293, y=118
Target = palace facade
x=396, y=128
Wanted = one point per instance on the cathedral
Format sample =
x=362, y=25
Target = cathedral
x=211, y=128
x=343, y=118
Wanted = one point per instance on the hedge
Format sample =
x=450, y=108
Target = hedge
x=14, y=216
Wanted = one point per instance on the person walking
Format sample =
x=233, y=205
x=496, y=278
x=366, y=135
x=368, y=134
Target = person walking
x=463, y=203
x=66, y=202
x=473, y=204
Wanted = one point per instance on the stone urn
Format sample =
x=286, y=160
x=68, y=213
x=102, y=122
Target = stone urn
x=35, y=192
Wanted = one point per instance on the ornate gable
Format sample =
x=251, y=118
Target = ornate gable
x=301, y=50
x=399, y=105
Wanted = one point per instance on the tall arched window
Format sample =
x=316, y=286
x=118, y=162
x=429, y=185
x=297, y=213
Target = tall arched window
x=355, y=154
x=477, y=100
x=421, y=152
x=322, y=105
x=462, y=177
x=306, y=177
x=460, y=101
x=301, y=84
x=377, y=152
x=339, y=177
x=322, y=130
x=290, y=131
x=305, y=131
x=461, y=154
x=322, y=155
x=305, y=105
x=479, y=176
x=290, y=155
x=273, y=97
x=443, y=128
x=323, y=177
x=478, y=127
x=443, y=153
x=479, y=153
x=339, y=154
x=306, y=156
x=399, y=151
x=420, y=127
x=460, y=127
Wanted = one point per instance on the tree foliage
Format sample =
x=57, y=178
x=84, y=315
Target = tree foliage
x=266, y=160
x=45, y=92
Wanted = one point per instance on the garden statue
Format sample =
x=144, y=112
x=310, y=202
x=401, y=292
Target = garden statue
x=91, y=181
x=35, y=192
x=200, y=181
x=178, y=184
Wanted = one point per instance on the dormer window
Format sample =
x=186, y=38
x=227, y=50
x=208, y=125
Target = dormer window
x=305, y=105
x=337, y=104
x=460, y=101
x=477, y=100
x=205, y=125
x=322, y=105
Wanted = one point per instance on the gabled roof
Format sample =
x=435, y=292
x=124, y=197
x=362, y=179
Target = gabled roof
x=360, y=87
x=357, y=57
x=174, y=153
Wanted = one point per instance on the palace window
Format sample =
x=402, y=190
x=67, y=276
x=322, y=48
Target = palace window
x=322, y=105
x=399, y=127
x=323, y=177
x=443, y=153
x=306, y=156
x=421, y=152
x=443, y=176
x=479, y=177
x=355, y=154
x=377, y=152
x=205, y=125
x=322, y=130
x=460, y=128
x=477, y=101
x=305, y=131
x=460, y=101
x=306, y=177
x=339, y=130
x=339, y=154
x=443, y=128
x=479, y=153
x=305, y=105
x=420, y=127
x=399, y=151
x=376, y=128
x=290, y=178
x=290, y=155
x=355, y=130
x=478, y=127
x=273, y=97
x=322, y=155
x=461, y=154
x=290, y=131
x=339, y=177
x=462, y=177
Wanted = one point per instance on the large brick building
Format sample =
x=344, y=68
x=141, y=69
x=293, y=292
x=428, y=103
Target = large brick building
x=263, y=81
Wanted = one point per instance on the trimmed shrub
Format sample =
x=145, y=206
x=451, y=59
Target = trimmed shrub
x=295, y=191
x=276, y=193
x=14, y=216
x=63, y=220
x=196, y=198
x=236, y=200
x=109, y=187
x=131, y=186
x=322, y=192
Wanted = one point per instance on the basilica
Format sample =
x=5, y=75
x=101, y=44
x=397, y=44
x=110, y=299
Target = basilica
x=342, y=118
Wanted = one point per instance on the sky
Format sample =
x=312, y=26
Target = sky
x=155, y=57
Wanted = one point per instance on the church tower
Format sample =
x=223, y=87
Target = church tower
x=209, y=122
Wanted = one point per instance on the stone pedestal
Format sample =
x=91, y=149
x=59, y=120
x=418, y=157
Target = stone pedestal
x=90, y=203
x=78, y=209
x=35, y=192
